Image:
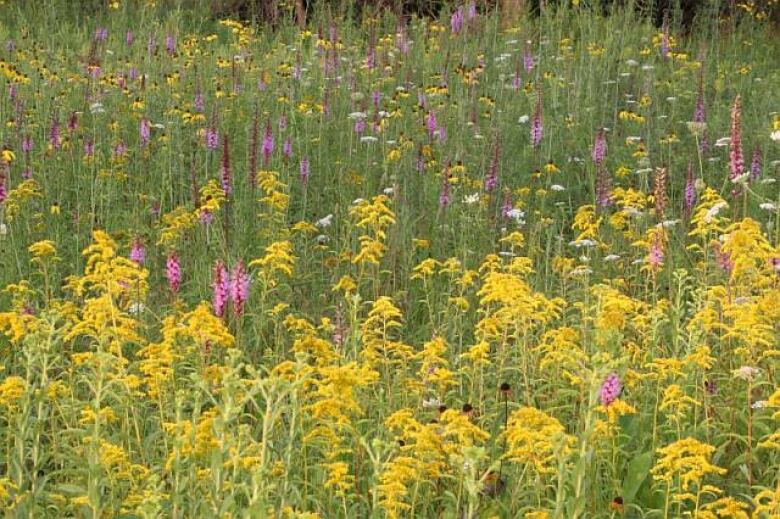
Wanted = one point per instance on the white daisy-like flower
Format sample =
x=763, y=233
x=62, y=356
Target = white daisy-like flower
x=516, y=214
x=357, y=115
x=746, y=372
x=557, y=187
x=388, y=191
x=325, y=222
x=611, y=257
x=523, y=119
x=368, y=138
x=722, y=142
x=582, y=271
x=471, y=199
x=714, y=210
x=768, y=206
x=431, y=403
x=583, y=243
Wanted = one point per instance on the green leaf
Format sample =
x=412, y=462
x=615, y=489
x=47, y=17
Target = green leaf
x=637, y=471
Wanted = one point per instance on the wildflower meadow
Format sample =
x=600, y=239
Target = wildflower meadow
x=383, y=264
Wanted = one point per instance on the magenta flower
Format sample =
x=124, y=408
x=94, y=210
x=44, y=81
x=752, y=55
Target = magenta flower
x=89, y=148
x=599, y=147
x=456, y=20
x=239, y=288
x=736, y=159
x=444, y=195
x=73, y=121
x=287, y=148
x=517, y=81
x=145, y=131
x=422, y=100
x=360, y=126
x=603, y=188
x=305, y=169
x=431, y=124
x=173, y=272
x=528, y=58
x=3, y=188
x=656, y=257
x=471, y=11
x=54, y=133
x=137, y=251
x=129, y=37
x=723, y=258
x=610, y=390
x=755, y=164
x=170, y=44
x=491, y=180
x=665, y=38
x=199, y=102
x=206, y=217
x=101, y=34
x=221, y=287
x=268, y=144
x=507, y=206
x=27, y=144
x=537, y=130
x=212, y=138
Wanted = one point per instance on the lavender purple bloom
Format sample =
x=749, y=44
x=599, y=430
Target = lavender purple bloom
x=755, y=164
x=456, y=21
x=537, y=130
x=304, y=169
x=610, y=390
x=221, y=288
x=268, y=144
x=599, y=148
x=603, y=188
x=239, y=288
x=145, y=131
x=173, y=271
x=137, y=251
x=212, y=138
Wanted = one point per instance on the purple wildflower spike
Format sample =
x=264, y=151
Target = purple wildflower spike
x=173, y=272
x=755, y=164
x=610, y=390
x=239, y=288
x=304, y=166
x=537, y=130
x=221, y=288
x=599, y=148
x=137, y=251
